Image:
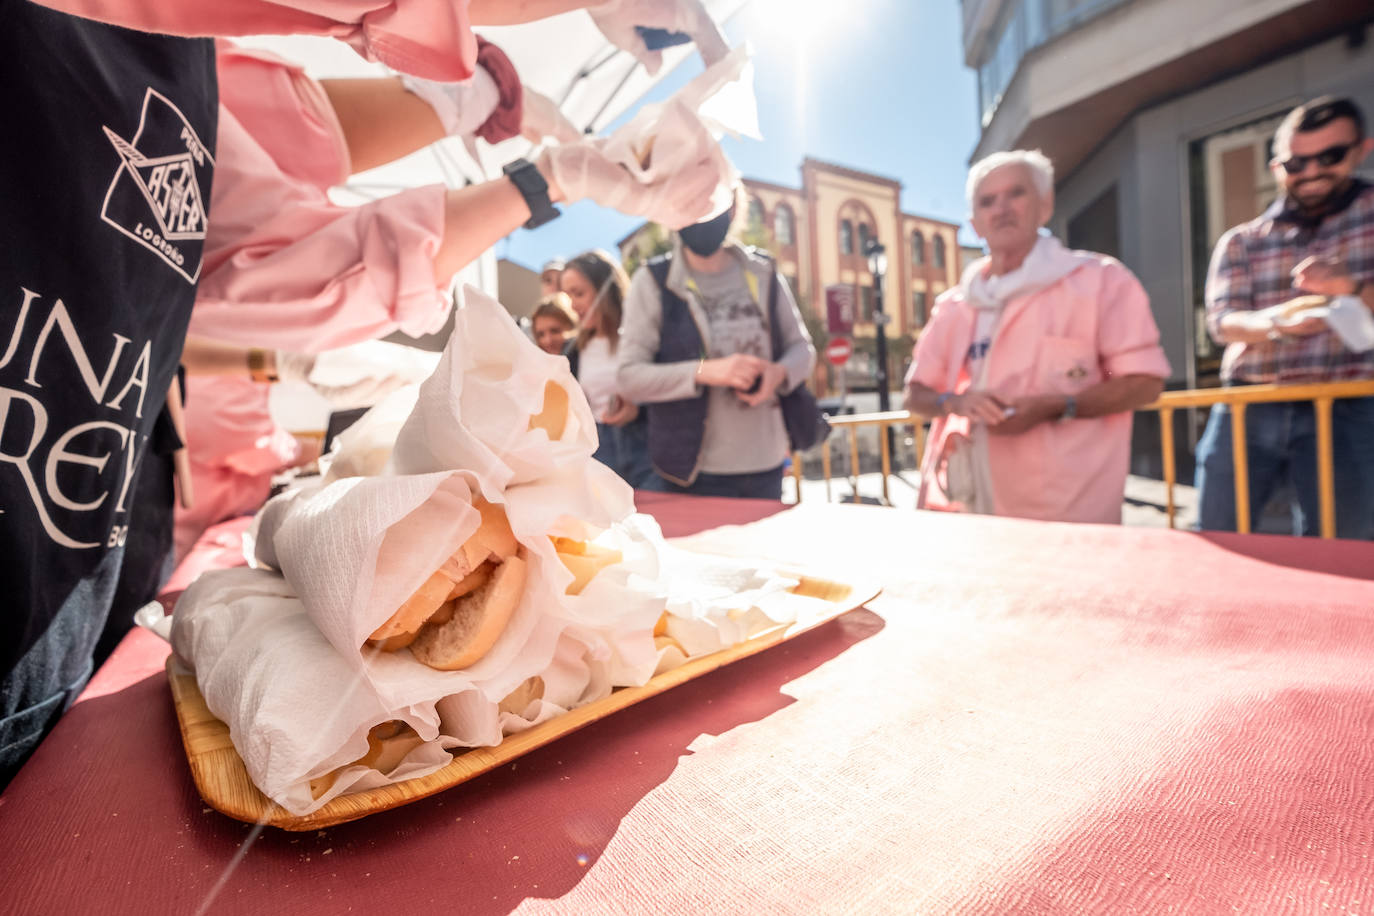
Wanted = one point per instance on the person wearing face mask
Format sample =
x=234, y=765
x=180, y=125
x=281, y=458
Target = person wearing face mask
x=595, y=284
x=1031, y=365
x=712, y=340
x=1316, y=238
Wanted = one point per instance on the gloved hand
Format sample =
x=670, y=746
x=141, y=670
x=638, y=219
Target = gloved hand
x=617, y=20
x=461, y=107
x=542, y=118
x=490, y=105
x=678, y=199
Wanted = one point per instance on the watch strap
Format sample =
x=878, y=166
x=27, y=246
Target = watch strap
x=532, y=186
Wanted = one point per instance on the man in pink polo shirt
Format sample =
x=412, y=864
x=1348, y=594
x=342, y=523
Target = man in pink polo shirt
x=1031, y=366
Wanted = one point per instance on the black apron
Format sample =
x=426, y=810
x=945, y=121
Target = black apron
x=105, y=168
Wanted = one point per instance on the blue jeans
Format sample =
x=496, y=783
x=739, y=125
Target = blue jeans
x=625, y=450
x=1281, y=445
x=758, y=485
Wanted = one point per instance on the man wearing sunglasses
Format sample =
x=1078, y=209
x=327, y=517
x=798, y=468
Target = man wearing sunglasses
x=1317, y=238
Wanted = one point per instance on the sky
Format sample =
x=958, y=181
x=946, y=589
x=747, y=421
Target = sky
x=875, y=85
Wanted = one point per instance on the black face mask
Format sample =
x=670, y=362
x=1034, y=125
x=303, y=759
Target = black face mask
x=704, y=239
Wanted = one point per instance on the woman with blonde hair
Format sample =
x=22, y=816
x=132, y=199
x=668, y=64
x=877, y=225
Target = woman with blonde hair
x=552, y=320
x=596, y=284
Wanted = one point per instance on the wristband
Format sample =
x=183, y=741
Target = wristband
x=532, y=186
x=1070, y=408
x=941, y=401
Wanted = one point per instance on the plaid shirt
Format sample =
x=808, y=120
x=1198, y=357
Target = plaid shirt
x=1251, y=269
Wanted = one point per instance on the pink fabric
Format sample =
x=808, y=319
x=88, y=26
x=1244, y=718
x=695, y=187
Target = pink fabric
x=1092, y=325
x=287, y=269
x=286, y=113
x=1032, y=718
x=234, y=448
x=428, y=38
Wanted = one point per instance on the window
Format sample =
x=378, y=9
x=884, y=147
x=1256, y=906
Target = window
x=918, y=308
x=783, y=229
x=846, y=237
x=755, y=212
x=939, y=246
x=918, y=248
x=865, y=236
x=865, y=303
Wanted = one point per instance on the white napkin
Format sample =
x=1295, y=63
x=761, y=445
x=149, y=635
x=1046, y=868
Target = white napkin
x=1349, y=317
x=282, y=658
x=295, y=708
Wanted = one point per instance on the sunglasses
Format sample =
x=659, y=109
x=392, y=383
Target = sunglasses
x=1296, y=165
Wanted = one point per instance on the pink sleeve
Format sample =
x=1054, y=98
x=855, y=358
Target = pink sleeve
x=428, y=38
x=286, y=112
x=929, y=360
x=1127, y=337
x=286, y=268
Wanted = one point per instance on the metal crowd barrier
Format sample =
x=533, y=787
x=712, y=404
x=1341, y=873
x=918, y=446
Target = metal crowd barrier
x=1321, y=395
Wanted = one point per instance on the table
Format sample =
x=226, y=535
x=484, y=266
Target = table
x=1032, y=717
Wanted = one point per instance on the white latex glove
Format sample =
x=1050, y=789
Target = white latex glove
x=542, y=119
x=617, y=20
x=461, y=107
x=676, y=200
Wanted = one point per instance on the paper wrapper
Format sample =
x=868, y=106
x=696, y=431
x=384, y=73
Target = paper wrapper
x=283, y=660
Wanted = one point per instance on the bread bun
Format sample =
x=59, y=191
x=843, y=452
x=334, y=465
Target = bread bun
x=584, y=561
x=1290, y=309
x=477, y=621
x=418, y=608
x=493, y=538
x=519, y=699
x=387, y=745
x=553, y=418
x=461, y=573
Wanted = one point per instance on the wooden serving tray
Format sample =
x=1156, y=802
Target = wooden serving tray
x=223, y=782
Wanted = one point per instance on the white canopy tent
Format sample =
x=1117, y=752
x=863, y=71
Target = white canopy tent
x=564, y=57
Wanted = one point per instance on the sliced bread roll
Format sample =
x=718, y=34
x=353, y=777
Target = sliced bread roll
x=477, y=620
x=463, y=572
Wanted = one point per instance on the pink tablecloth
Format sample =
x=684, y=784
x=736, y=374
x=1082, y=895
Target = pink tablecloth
x=1032, y=717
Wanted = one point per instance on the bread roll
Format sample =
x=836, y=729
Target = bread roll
x=388, y=743
x=519, y=699
x=1290, y=309
x=553, y=418
x=461, y=573
x=585, y=562
x=477, y=621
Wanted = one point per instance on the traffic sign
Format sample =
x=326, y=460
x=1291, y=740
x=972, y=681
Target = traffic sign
x=839, y=350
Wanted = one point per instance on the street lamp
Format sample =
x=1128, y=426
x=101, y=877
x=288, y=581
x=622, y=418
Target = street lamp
x=877, y=266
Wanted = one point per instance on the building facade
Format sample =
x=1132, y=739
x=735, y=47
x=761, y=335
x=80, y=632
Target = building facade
x=818, y=233
x=1158, y=116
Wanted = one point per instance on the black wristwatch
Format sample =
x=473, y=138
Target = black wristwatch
x=532, y=186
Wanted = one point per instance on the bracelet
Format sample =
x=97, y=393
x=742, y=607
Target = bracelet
x=257, y=366
x=701, y=364
x=941, y=401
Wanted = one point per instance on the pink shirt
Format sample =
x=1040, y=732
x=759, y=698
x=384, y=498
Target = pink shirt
x=1093, y=324
x=428, y=38
x=287, y=269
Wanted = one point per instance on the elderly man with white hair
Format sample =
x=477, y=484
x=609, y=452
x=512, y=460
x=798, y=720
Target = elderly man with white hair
x=1031, y=366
